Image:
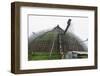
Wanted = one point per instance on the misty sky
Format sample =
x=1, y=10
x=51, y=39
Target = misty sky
x=79, y=25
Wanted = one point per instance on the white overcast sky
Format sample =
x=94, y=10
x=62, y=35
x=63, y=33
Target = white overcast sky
x=79, y=25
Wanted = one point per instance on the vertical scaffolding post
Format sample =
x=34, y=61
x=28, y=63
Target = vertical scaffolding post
x=61, y=46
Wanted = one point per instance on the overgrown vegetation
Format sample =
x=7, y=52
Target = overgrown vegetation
x=43, y=56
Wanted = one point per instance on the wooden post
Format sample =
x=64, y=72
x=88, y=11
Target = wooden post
x=61, y=47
